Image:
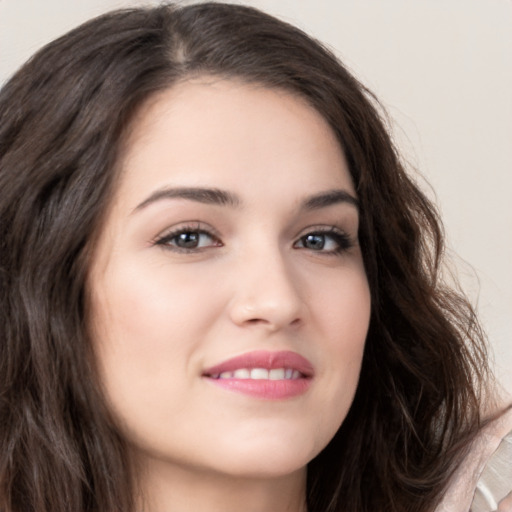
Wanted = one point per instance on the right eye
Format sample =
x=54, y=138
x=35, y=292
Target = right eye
x=188, y=239
x=327, y=241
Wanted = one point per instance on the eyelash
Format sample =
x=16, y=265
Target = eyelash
x=168, y=241
x=165, y=240
x=343, y=241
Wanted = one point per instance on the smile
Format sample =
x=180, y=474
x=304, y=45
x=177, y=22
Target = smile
x=263, y=374
x=260, y=374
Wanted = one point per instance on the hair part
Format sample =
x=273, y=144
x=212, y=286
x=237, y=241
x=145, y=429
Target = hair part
x=65, y=115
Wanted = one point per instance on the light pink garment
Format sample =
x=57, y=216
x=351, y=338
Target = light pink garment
x=483, y=483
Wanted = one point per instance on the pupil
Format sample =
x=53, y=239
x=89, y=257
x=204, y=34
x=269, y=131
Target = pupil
x=188, y=240
x=315, y=241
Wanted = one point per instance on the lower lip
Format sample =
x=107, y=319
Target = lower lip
x=264, y=388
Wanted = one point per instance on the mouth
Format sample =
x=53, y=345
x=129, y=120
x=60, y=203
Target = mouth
x=260, y=374
x=263, y=374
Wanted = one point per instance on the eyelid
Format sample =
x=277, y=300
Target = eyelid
x=345, y=240
x=188, y=226
x=324, y=229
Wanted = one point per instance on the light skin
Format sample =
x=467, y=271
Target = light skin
x=233, y=229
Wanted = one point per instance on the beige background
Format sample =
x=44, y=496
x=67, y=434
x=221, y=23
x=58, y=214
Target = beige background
x=443, y=69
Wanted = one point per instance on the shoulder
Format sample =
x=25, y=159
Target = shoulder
x=483, y=483
x=494, y=486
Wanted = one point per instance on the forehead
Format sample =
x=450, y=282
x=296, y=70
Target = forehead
x=229, y=134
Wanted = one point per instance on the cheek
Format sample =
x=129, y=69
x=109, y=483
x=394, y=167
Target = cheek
x=343, y=312
x=149, y=324
x=144, y=306
x=343, y=308
x=146, y=332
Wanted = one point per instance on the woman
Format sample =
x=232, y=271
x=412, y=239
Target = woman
x=219, y=287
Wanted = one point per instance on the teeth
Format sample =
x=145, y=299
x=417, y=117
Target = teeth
x=243, y=373
x=260, y=374
x=276, y=374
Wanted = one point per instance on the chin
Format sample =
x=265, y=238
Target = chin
x=269, y=456
x=265, y=466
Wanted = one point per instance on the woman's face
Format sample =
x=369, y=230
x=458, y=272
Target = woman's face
x=229, y=302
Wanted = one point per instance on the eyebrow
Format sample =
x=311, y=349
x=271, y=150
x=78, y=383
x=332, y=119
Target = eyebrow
x=220, y=197
x=198, y=194
x=329, y=198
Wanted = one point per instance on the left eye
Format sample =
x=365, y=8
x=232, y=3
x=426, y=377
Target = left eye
x=188, y=240
x=330, y=242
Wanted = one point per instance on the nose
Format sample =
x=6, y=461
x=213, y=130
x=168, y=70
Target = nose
x=266, y=293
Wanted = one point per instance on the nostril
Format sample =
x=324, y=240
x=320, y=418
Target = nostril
x=257, y=321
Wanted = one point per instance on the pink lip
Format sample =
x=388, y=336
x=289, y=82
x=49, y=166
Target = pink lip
x=264, y=389
x=264, y=359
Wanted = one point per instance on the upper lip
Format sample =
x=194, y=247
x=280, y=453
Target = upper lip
x=264, y=359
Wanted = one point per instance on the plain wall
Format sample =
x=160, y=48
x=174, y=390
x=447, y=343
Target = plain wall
x=443, y=69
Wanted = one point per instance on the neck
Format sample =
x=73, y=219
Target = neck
x=174, y=489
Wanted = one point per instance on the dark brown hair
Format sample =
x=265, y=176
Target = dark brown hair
x=62, y=120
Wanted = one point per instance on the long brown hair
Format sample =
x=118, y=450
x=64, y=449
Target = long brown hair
x=62, y=120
